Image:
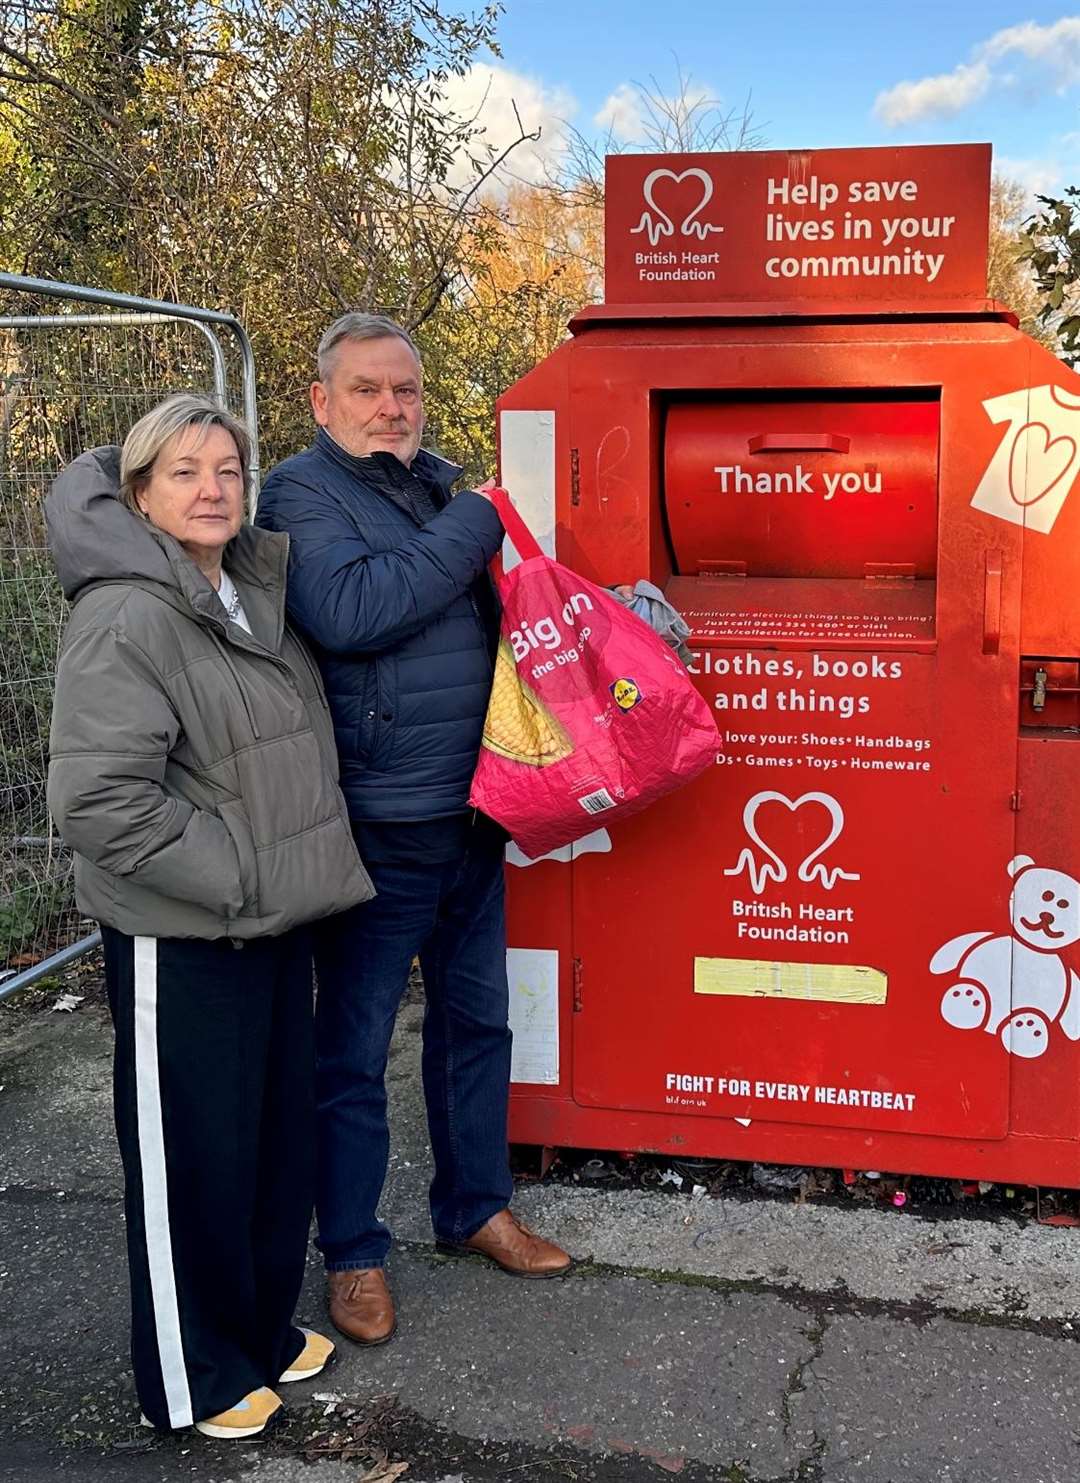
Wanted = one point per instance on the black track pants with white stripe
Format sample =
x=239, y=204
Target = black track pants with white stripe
x=213, y=1085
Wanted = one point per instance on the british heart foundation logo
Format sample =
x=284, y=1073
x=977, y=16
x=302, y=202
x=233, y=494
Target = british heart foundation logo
x=1035, y=465
x=761, y=860
x=671, y=197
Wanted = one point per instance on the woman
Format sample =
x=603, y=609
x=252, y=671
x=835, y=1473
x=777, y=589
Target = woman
x=193, y=773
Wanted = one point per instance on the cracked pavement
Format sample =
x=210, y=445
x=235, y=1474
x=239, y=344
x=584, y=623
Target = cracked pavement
x=729, y=1341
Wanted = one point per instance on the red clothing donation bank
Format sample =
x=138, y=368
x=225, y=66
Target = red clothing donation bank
x=854, y=941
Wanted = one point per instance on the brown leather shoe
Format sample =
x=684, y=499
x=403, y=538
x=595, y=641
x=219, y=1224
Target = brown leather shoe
x=361, y=1307
x=508, y=1243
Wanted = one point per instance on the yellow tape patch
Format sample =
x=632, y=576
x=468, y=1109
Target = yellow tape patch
x=750, y=978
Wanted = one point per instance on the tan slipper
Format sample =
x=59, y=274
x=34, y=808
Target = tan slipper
x=312, y=1359
x=246, y=1419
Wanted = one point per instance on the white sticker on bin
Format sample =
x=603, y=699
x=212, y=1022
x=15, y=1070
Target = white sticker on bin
x=533, y=976
x=596, y=843
x=527, y=472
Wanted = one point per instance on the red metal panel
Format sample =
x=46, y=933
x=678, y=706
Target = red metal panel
x=1046, y=1090
x=1021, y=1158
x=816, y=738
x=810, y=613
x=540, y=915
x=820, y=311
x=1044, y=436
x=871, y=225
x=926, y=851
x=886, y=893
x=820, y=488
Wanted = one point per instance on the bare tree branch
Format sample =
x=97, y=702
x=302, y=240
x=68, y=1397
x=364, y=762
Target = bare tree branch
x=41, y=74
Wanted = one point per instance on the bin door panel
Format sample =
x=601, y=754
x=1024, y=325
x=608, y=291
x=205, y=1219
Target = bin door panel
x=1046, y=920
x=1037, y=424
x=778, y=940
x=816, y=930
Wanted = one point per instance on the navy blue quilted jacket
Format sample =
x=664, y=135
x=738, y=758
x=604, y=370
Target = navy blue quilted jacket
x=400, y=614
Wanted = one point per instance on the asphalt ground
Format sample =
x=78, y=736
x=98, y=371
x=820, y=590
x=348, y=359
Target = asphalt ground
x=738, y=1339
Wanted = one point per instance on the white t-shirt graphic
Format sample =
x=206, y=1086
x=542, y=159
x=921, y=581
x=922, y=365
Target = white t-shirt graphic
x=1029, y=477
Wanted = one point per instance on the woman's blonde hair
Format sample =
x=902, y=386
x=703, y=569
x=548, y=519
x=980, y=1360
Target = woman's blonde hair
x=151, y=433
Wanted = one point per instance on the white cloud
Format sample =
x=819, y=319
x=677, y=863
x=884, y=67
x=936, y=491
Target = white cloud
x=490, y=95
x=1052, y=49
x=932, y=96
x=640, y=114
x=1057, y=45
x=1043, y=177
x=621, y=114
x=1046, y=174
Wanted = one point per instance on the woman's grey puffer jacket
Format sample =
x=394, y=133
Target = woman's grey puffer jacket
x=192, y=766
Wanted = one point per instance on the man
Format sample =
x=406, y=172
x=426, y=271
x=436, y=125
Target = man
x=387, y=579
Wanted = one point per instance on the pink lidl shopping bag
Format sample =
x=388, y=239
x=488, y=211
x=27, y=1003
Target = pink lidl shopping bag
x=591, y=714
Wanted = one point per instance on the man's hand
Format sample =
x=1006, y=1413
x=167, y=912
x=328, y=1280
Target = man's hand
x=485, y=488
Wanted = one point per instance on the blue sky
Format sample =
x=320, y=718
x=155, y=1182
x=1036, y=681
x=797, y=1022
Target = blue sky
x=820, y=74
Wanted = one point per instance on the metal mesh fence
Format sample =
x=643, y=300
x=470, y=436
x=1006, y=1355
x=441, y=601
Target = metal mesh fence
x=68, y=382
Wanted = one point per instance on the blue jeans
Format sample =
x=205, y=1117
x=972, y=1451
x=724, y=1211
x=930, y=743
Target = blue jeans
x=452, y=915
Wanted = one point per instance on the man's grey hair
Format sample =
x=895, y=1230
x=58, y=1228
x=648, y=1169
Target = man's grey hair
x=154, y=430
x=357, y=326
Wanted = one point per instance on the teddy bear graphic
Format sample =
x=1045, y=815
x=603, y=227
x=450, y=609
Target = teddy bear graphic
x=1017, y=985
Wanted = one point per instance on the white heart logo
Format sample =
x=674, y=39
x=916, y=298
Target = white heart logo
x=773, y=868
x=659, y=223
x=693, y=174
